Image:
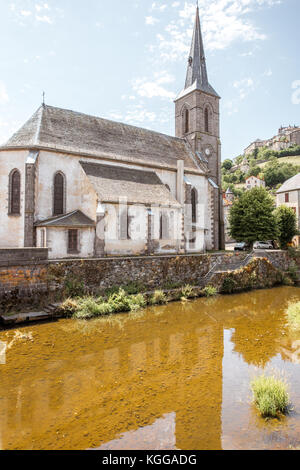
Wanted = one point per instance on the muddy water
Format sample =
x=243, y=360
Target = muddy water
x=171, y=377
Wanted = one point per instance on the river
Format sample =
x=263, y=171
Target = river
x=168, y=377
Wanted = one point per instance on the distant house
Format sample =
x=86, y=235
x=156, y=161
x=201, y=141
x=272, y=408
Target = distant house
x=289, y=195
x=254, y=182
x=285, y=138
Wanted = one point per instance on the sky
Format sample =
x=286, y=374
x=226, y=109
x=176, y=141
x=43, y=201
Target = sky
x=126, y=60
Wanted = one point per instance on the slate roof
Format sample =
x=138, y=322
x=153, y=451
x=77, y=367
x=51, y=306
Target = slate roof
x=72, y=132
x=292, y=184
x=72, y=219
x=196, y=76
x=138, y=186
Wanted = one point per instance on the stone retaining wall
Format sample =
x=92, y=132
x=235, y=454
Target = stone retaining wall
x=37, y=282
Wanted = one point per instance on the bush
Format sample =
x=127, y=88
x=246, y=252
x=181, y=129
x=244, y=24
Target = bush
x=210, y=291
x=137, y=302
x=228, y=286
x=293, y=314
x=119, y=301
x=187, y=292
x=69, y=306
x=88, y=307
x=158, y=298
x=270, y=395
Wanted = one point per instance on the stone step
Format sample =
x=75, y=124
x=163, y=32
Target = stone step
x=8, y=319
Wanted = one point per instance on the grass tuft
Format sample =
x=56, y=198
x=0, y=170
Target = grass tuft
x=293, y=315
x=187, y=292
x=270, y=395
x=158, y=298
x=210, y=291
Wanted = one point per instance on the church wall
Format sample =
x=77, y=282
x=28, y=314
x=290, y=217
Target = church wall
x=11, y=226
x=57, y=242
x=79, y=192
x=201, y=185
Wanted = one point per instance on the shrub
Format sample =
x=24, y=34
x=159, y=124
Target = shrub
x=293, y=314
x=210, y=291
x=137, y=302
x=69, y=306
x=187, y=292
x=119, y=301
x=74, y=288
x=270, y=395
x=228, y=286
x=87, y=308
x=158, y=298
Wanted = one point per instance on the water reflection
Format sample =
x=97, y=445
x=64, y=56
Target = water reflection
x=175, y=376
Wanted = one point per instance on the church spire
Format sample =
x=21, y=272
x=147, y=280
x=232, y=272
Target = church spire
x=196, y=75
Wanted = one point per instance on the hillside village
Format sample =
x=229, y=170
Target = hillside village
x=265, y=163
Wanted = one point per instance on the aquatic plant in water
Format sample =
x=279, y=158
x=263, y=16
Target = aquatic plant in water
x=210, y=291
x=293, y=315
x=158, y=298
x=270, y=395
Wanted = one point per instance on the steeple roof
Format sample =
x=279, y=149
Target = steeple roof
x=196, y=76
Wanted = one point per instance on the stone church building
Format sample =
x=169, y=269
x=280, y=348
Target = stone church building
x=85, y=187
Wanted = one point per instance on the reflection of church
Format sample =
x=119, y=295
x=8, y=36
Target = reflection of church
x=161, y=380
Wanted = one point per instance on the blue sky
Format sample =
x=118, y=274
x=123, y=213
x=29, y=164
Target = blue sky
x=126, y=60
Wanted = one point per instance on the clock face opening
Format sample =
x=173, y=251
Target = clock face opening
x=207, y=151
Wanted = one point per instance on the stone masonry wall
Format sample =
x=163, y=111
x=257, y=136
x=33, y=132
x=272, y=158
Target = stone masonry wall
x=37, y=282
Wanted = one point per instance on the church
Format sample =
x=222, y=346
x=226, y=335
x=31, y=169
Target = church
x=87, y=187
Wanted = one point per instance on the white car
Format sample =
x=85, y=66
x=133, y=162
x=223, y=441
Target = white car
x=263, y=246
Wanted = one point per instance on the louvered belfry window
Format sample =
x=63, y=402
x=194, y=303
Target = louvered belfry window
x=206, y=119
x=58, y=207
x=15, y=193
x=73, y=241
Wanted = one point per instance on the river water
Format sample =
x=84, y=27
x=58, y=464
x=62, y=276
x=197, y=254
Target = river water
x=170, y=377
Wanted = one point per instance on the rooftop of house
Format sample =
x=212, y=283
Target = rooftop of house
x=293, y=184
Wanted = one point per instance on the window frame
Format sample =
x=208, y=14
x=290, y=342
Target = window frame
x=11, y=196
x=72, y=250
x=63, y=201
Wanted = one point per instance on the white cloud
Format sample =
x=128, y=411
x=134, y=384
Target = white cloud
x=3, y=93
x=244, y=87
x=223, y=22
x=150, y=20
x=153, y=87
x=38, y=12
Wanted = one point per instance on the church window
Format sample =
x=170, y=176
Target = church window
x=59, y=194
x=194, y=205
x=73, y=241
x=186, y=118
x=15, y=193
x=206, y=120
x=43, y=238
x=287, y=197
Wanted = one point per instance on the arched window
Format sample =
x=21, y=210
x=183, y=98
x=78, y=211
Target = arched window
x=59, y=194
x=186, y=118
x=206, y=120
x=15, y=193
x=194, y=205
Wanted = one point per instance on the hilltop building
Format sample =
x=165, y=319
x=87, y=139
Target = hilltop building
x=286, y=137
x=254, y=182
x=85, y=187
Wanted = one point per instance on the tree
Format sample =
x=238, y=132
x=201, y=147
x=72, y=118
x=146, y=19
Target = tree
x=252, y=217
x=287, y=225
x=277, y=173
x=227, y=164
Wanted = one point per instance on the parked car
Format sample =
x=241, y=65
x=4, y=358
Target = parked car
x=263, y=246
x=241, y=246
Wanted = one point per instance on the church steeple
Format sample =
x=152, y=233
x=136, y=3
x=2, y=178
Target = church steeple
x=196, y=76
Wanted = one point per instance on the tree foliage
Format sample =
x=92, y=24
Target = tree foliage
x=227, y=164
x=277, y=173
x=252, y=217
x=287, y=225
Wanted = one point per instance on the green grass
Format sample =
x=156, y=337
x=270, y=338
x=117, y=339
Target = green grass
x=210, y=291
x=270, y=395
x=187, y=292
x=295, y=160
x=293, y=315
x=158, y=298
